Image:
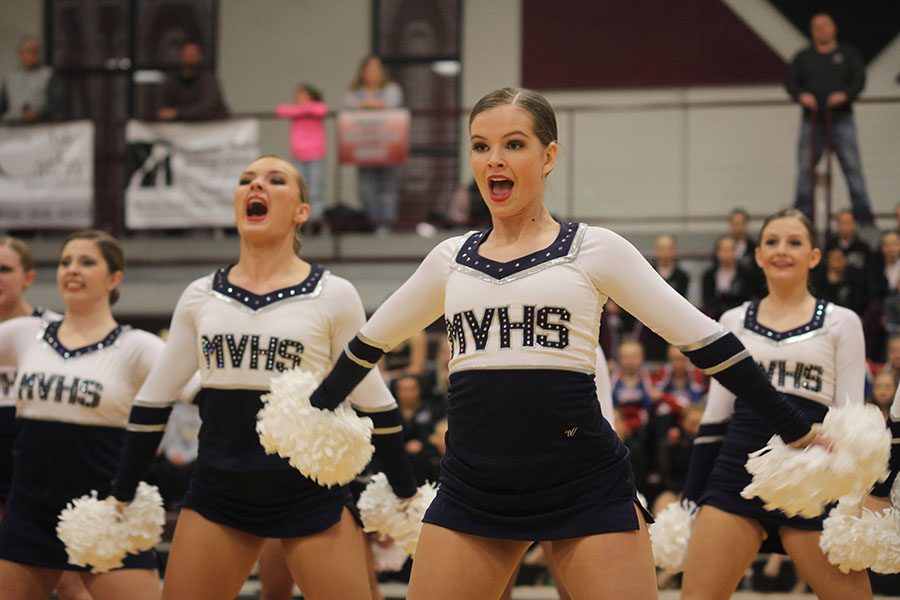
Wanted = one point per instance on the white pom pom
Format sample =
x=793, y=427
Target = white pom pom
x=383, y=512
x=388, y=558
x=803, y=482
x=854, y=541
x=415, y=511
x=329, y=447
x=143, y=519
x=670, y=534
x=92, y=534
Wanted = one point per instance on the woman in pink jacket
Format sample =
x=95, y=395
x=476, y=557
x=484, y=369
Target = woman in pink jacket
x=307, y=115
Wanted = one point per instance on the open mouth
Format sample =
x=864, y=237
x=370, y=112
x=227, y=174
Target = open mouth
x=500, y=189
x=257, y=209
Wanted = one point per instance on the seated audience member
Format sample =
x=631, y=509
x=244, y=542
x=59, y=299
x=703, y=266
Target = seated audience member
x=744, y=245
x=883, y=389
x=846, y=237
x=193, y=93
x=31, y=93
x=884, y=277
x=633, y=393
x=172, y=468
x=637, y=452
x=407, y=358
x=726, y=283
x=665, y=262
x=841, y=283
x=885, y=271
x=426, y=463
x=680, y=385
x=674, y=456
x=419, y=416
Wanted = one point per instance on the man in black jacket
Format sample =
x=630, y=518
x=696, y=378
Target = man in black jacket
x=825, y=79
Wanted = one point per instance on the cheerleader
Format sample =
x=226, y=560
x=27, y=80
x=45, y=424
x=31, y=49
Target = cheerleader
x=529, y=455
x=16, y=276
x=74, y=385
x=883, y=490
x=240, y=326
x=811, y=350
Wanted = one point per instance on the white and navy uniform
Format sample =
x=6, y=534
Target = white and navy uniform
x=817, y=365
x=529, y=455
x=883, y=489
x=8, y=424
x=73, y=406
x=240, y=340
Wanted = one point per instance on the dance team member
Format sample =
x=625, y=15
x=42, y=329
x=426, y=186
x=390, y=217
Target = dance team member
x=530, y=456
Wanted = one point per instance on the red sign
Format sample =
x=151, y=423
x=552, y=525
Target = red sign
x=373, y=137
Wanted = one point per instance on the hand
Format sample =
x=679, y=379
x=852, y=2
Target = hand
x=413, y=447
x=813, y=438
x=836, y=99
x=118, y=504
x=167, y=114
x=808, y=100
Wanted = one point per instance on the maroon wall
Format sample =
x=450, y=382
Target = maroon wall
x=582, y=44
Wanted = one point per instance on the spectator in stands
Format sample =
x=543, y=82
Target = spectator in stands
x=32, y=92
x=419, y=417
x=665, y=262
x=726, y=283
x=637, y=451
x=633, y=393
x=825, y=79
x=679, y=384
x=193, y=94
x=883, y=389
x=893, y=358
x=426, y=463
x=308, y=145
x=378, y=185
x=743, y=243
x=171, y=471
x=407, y=358
x=675, y=454
x=884, y=277
x=841, y=283
x=885, y=270
x=858, y=252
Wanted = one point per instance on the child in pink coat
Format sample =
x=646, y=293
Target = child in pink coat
x=308, y=145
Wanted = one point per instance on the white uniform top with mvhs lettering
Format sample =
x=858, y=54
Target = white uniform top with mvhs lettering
x=93, y=385
x=8, y=373
x=538, y=311
x=820, y=360
x=239, y=340
x=529, y=454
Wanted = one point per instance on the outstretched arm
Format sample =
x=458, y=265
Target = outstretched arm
x=624, y=275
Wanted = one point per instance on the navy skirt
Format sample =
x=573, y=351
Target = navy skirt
x=9, y=427
x=55, y=463
x=530, y=457
x=271, y=504
x=747, y=433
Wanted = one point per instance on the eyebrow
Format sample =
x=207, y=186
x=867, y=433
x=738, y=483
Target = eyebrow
x=510, y=134
x=270, y=172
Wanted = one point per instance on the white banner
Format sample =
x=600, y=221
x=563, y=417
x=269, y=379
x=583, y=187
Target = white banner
x=47, y=176
x=184, y=174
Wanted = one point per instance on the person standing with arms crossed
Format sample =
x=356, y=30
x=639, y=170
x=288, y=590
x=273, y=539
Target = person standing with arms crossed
x=825, y=79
